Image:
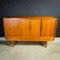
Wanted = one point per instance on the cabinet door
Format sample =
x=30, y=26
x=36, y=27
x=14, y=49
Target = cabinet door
x=35, y=28
x=10, y=27
x=23, y=28
x=48, y=27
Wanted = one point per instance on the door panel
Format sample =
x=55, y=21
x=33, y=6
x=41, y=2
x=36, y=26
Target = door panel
x=48, y=27
x=23, y=28
x=10, y=27
x=35, y=28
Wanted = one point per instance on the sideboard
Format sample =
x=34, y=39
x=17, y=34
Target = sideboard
x=30, y=28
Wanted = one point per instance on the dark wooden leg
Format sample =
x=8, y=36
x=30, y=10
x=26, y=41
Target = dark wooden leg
x=13, y=43
x=44, y=43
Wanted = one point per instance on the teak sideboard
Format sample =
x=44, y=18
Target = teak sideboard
x=30, y=28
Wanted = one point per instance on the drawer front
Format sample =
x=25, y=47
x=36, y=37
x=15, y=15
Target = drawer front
x=35, y=28
x=48, y=28
x=10, y=27
x=23, y=28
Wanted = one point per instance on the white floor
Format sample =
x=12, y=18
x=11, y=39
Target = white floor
x=30, y=51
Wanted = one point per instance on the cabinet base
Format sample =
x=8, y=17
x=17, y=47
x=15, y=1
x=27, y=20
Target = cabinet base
x=43, y=43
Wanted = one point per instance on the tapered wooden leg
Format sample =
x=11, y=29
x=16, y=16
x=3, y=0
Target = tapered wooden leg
x=13, y=43
x=44, y=43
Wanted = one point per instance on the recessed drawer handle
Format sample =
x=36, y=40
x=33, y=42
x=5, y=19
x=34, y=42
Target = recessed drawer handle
x=17, y=27
x=30, y=27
